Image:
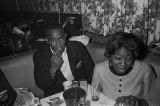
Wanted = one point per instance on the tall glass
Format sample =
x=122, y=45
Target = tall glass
x=84, y=85
x=95, y=93
x=72, y=96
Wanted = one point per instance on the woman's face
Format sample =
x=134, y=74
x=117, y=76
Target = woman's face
x=122, y=60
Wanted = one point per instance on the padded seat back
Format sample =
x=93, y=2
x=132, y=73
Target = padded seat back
x=96, y=51
x=19, y=71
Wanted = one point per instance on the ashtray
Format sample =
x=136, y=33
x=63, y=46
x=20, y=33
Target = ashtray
x=55, y=101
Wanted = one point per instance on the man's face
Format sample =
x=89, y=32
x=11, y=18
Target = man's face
x=122, y=60
x=56, y=39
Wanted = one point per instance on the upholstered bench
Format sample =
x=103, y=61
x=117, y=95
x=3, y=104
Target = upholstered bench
x=19, y=71
x=19, y=68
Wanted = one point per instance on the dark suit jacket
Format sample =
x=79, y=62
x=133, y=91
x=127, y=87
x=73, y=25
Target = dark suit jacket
x=76, y=52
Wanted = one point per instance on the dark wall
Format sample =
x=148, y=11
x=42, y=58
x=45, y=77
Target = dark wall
x=8, y=5
x=51, y=17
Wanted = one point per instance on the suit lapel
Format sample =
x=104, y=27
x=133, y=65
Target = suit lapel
x=71, y=61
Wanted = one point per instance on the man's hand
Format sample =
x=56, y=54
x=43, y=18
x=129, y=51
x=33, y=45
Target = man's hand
x=127, y=101
x=56, y=63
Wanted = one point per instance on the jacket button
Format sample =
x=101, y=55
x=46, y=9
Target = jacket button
x=120, y=85
x=119, y=90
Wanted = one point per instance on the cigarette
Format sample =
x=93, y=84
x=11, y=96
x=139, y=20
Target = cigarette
x=54, y=52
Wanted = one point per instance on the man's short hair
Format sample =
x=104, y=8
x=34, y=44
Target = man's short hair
x=53, y=27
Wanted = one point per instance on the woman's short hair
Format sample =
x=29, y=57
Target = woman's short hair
x=122, y=40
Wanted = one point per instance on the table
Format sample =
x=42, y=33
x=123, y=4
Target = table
x=103, y=101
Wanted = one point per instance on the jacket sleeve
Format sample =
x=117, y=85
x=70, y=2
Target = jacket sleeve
x=42, y=74
x=88, y=64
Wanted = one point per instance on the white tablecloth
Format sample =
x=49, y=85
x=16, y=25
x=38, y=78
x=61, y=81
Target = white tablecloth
x=103, y=101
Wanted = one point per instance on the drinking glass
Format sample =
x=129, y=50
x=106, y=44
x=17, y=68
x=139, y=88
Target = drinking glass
x=72, y=96
x=84, y=84
x=95, y=93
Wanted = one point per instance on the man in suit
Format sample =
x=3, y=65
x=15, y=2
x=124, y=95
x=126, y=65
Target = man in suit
x=60, y=61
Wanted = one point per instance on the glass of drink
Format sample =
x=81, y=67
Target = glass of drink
x=84, y=84
x=74, y=96
x=95, y=93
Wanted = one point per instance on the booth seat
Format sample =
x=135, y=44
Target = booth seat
x=19, y=68
x=19, y=71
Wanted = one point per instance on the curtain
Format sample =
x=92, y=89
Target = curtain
x=106, y=17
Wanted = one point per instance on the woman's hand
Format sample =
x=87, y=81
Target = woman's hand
x=127, y=101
